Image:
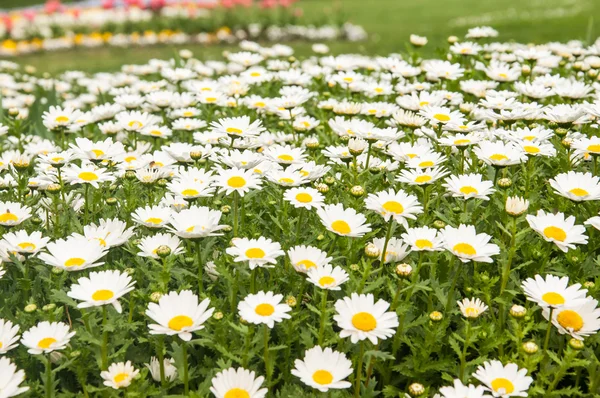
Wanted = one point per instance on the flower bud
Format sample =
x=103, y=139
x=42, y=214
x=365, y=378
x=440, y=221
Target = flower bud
x=155, y=297
x=225, y=209
x=436, y=316
x=36, y=220
x=112, y=201
x=163, y=251
x=403, y=270
x=356, y=146
x=53, y=188
x=589, y=285
x=196, y=155
x=49, y=307
x=320, y=237
x=452, y=39
x=516, y=206
x=576, y=344
x=130, y=175
x=30, y=308
x=530, y=347
x=561, y=132
x=354, y=267
x=218, y=315
x=189, y=260
x=329, y=180
x=518, y=311
x=418, y=41
x=504, y=182
x=323, y=188
x=357, y=191
x=291, y=301
x=312, y=143
x=372, y=251
x=416, y=389
x=439, y=224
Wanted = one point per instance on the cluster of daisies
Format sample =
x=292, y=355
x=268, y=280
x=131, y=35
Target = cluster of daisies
x=267, y=226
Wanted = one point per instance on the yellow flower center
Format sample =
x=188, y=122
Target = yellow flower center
x=189, y=192
x=531, y=149
x=237, y=393
x=570, y=319
x=88, y=176
x=120, y=377
x=423, y=103
x=135, y=124
x=364, y=321
x=286, y=158
x=303, y=197
x=529, y=137
x=502, y=385
x=264, y=309
x=467, y=190
x=341, y=227
x=471, y=312
x=154, y=220
x=46, y=343
x=74, y=262
x=393, y=207
x=180, y=321
x=102, y=295
x=423, y=243
x=553, y=298
x=498, y=157
x=236, y=182
x=326, y=280
x=307, y=264
x=57, y=159
x=503, y=75
x=422, y=179
x=233, y=130
x=62, y=119
x=465, y=249
x=26, y=246
x=188, y=113
x=441, y=117
x=555, y=233
x=579, y=192
x=427, y=163
x=8, y=216
x=97, y=152
x=259, y=104
x=286, y=180
x=322, y=377
x=255, y=252
x=594, y=148
x=462, y=142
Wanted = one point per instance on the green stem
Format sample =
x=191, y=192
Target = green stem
x=235, y=214
x=548, y=330
x=49, y=383
x=452, y=288
x=368, y=156
x=186, y=377
x=359, y=369
x=323, y=316
x=388, y=236
x=463, y=357
x=161, y=359
x=266, y=354
x=299, y=224
x=104, y=349
x=200, y=267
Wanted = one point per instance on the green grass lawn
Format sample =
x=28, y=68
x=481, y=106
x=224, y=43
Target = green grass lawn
x=389, y=23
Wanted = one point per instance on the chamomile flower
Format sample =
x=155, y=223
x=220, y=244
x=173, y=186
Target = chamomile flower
x=323, y=369
x=499, y=154
x=423, y=239
x=343, y=222
x=46, y=337
x=196, y=222
x=87, y=173
x=465, y=243
x=441, y=115
x=179, y=314
x=240, y=382
x=9, y=337
x=101, y=288
x=305, y=258
x=580, y=318
x=108, y=233
x=285, y=154
x=421, y=176
x=12, y=213
x=169, y=368
x=73, y=254
x=557, y=229
x=150, y=244
x=360, y=318
x=263, y=308
x=503, y=380
x=119, y=375
x=304, y=197
x=238, y=126
x=261, y=252
x=327, y=277
x=21, y=242
x=459, y=390
x=576, y=186
x=396, y=249
x=397, y=205
x=552, y=291
x=11, y=379
x=468, y=186
x=237, y=180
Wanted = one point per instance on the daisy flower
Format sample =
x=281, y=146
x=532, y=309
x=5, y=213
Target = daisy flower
x=109, y=233
x=46, y=337
x=304, y=197
x=503, y=381
x=21, y=242
x=119, y=375
x=238, y=382
x=169, y=368
x=258, y=252
x=305, y=258
x=73, y=254
x=12, y=213
x=87, y=173
x=441, y=115
x=472, y=308
x=459, y=390
x=196, y=222
x=468, y=186
x=557, y=229
x=396, y=250
x=327, y=277
x=360, y=318
x=465, y=243
x=423, y=239
x=285, y=154
x=263, y=308
x=397, y=205
x=11, y=379
x=580, y=318
x=150, y=244
x=238, y=126
x=552, y=291
x=101, y=288
x=343, y=222
x=9, y=337
x=421, y=176
x=237, y=180
x=152, y=216
x=323, y=369
x=576, y=186
x=179, y=314
x=499, y=154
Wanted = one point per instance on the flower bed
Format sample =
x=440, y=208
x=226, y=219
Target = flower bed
x=262, y=225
